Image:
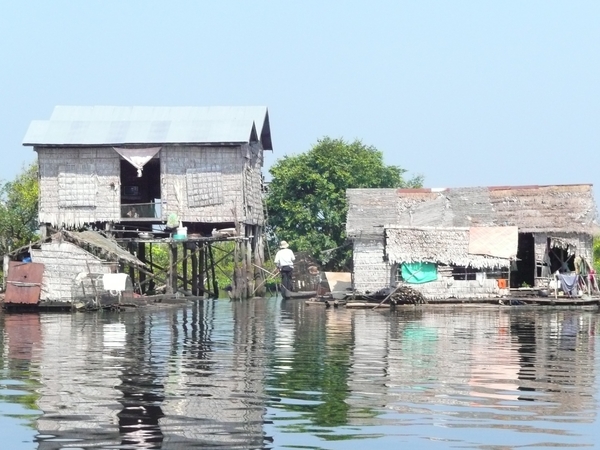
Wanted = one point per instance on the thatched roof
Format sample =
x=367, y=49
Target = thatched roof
x=561, y=208
x=448, y=246
x=109, y=247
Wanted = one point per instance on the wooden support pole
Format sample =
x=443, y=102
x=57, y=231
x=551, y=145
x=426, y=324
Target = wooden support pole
x=215, y=284
x=248, y=262
x=142, y=258
x=194, y=258
x=172, y=279
x=258, y=249
x=132, y=247
x=185, y=267
x=206, y=265
x=201, y=268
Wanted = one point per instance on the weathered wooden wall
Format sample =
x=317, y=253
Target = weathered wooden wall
x=371, y=272
x=449, y=288
x=78, y=186
x=198, y=183
x=582, y=242
x=63, y=261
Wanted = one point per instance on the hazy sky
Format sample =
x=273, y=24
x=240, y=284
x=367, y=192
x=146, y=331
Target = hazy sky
x=465, y=93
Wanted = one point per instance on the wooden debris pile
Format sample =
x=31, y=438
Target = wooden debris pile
x=407, y=295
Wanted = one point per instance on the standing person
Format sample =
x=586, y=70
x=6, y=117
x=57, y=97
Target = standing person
x=284, y=260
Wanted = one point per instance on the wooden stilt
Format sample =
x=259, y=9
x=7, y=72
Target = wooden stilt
x=215, y=284
x=184, y=265
x=172, y=279
x=131, y=246
x=142, y=275
x=258, y=250
x=194, y=258
x=201, y=269
x=248, y=263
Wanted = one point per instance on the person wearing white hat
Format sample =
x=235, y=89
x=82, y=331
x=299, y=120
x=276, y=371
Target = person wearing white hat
x=284, y=260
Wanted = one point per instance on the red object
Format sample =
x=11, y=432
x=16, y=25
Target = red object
x=502, y=283
x=24, y=283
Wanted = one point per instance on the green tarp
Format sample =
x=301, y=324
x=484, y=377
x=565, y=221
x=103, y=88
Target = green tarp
x=417, y=273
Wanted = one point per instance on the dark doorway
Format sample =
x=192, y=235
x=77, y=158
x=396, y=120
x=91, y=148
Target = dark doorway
x=560, y=259
x=140, y=195
x=524, y=276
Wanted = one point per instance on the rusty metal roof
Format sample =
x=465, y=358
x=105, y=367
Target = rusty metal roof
x=110, y=125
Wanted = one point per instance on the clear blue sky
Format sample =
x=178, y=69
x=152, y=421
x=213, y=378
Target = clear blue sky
x=463, y=92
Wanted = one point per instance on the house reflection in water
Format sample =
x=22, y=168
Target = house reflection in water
x=216, y=392
x=172, y=378
x=483, y=358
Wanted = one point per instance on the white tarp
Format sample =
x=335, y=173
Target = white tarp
x=499, y=242
x=114, y=281
x=138, y=157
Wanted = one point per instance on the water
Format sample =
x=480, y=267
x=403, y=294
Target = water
x=278, y=374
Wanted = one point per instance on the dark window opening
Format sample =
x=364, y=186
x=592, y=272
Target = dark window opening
x=140, y=196
x=524, y=275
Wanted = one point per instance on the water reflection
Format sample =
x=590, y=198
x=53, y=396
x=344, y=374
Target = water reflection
x=278, y=374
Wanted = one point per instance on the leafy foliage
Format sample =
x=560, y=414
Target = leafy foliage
x=307, y=195
x=19, y=210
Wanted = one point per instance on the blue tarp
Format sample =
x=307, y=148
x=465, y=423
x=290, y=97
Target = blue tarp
x=417, y=273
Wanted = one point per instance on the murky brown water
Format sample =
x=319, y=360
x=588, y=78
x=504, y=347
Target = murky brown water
x=273, y=375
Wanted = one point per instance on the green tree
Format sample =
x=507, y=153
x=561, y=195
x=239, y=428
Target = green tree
x=307, y=195
x=19, y=209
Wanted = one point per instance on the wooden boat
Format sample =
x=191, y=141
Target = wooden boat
x=297, y=294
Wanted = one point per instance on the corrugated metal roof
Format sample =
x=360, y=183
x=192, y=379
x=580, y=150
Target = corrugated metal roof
x=107, y=125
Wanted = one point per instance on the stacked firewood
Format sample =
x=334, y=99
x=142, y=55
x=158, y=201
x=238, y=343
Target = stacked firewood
x=407, y=295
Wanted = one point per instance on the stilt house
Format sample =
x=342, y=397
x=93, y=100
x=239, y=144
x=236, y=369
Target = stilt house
x=469, y=243
x=138, y=173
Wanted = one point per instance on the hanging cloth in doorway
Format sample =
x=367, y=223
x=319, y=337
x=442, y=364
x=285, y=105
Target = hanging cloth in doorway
x=417, y=273
x=137, y=157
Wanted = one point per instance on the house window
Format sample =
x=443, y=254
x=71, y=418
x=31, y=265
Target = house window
x=204, y=188
x=77, y=186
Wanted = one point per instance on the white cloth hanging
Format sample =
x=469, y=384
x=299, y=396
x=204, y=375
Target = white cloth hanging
x=137, y=157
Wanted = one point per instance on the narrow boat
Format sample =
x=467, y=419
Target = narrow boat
x=296, y=294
